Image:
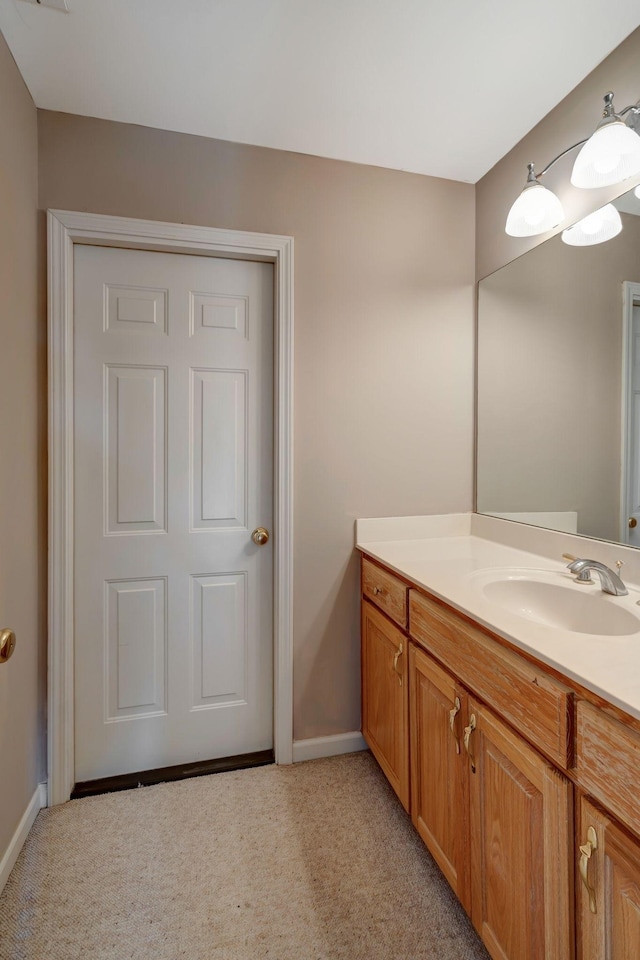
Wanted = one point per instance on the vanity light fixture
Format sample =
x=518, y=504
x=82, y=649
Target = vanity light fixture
x=535, y=211
x=609, y=156
x=597, y=227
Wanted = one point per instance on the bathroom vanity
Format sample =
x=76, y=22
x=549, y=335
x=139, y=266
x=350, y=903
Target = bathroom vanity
x=507, y=721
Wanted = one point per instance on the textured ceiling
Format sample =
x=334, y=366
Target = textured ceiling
x=442, y=88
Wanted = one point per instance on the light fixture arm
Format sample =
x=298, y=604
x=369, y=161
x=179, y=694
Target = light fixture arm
x=608, y=156
x=561, y=155
x=608, y=113
x=633, y=121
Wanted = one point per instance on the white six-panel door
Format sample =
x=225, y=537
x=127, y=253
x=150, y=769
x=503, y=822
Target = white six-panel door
x=173, y=438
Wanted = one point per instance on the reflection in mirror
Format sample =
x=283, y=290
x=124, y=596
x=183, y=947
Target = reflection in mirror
x=558, y=440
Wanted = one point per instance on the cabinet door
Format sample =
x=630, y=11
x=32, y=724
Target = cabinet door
x=521, y=845
x=608, y=911
x=385, y=697
x=439, y=768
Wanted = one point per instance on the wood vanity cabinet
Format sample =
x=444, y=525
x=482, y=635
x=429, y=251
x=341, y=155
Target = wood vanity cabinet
x=521, y=811
x=607, y=855
x=385, y=697
x=500, y=755
x=496, y=816
x=608, y=912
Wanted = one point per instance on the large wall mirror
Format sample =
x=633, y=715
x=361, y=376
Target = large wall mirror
x=558, y=419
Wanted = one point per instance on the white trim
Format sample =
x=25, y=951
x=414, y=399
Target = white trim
x=64, y=229
x=630, y=297
x=317, y=747
x=35, y=805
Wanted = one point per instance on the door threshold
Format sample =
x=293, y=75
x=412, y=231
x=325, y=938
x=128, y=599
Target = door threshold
x=181, y=771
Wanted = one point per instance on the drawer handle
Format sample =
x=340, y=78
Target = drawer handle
x=452, y=722
x=586, y=851
x=378, y=591
x=397, y=656
x=467, y=738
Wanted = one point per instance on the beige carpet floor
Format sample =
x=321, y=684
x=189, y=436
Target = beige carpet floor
x=317, y=861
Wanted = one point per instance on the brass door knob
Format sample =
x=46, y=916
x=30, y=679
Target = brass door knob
x=7, y=644
x=260, y=536
x=633, y=522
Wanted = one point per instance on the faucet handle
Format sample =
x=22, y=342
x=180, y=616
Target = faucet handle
x=619, y=564
x=582, y=568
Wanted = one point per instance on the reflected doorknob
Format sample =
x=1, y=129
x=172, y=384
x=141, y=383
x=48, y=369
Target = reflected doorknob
x=260, y=536
x=633, y=522
x=7, y=644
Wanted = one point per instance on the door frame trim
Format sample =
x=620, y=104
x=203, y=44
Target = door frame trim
x=64, y=228
x=630, y=299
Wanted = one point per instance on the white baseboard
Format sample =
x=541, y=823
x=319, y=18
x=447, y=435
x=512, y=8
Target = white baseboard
x=37, y=802
x=317, y=747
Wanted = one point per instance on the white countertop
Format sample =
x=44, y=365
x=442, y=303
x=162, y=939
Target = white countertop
x=451, y=567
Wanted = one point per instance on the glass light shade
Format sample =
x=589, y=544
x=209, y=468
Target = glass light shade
x=535, y=211
x=610, y=156
x=598, y=227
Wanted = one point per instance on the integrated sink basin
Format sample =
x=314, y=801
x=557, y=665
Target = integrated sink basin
x=554, y=599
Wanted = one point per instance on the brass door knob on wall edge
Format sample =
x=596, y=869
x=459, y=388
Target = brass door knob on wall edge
x=633, y=522
x=7, y=644
x=260, y=536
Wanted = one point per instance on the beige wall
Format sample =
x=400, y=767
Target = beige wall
x=549, y=381
x=573, y=119
x=22, y=455
x=383, y=343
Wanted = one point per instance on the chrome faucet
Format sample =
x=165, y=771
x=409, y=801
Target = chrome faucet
x=610, y=581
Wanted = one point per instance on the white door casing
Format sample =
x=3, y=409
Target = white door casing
x=630, y=418
x=64, y=229
x=173, y=442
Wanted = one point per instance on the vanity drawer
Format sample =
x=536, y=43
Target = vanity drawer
x=539, y=707
x=608, y=762
x=386, y=591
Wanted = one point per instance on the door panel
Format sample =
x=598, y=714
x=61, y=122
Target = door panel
x=173, y=429
x=385, y=697
x=135, y=431
x=219, y=615
x=136, y=647
x=439, y=769
x=218, y=444
x=521, y=841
